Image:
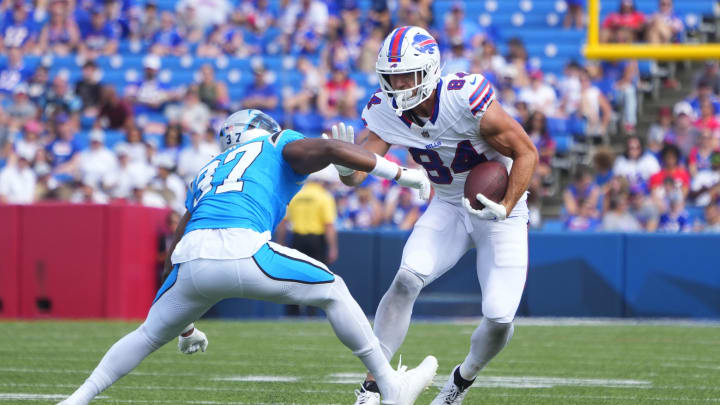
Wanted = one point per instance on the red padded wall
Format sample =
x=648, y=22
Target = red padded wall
x=9, y=257
x=78, y=261
x=61, y=261
x=132, y=247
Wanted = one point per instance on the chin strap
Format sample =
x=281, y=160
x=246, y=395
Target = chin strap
x=398, y=100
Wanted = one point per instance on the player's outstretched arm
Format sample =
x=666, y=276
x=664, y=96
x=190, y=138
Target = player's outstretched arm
x=368, y=140
x=307, y=156
x=506, y=135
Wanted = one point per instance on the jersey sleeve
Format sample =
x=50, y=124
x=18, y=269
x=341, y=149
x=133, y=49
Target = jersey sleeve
x=282, y=138
x=371, y=116
x=189, y=197
x=477, y=94
x=279, y=140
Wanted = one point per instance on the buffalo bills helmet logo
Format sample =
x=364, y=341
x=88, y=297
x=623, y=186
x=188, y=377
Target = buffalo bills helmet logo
x=424, y=43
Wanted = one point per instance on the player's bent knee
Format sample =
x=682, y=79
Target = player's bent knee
x=499, y=326
x=153, y=339
x=338, y=292
x=499, y=309
x=407, y=283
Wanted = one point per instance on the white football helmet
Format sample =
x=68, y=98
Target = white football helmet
x=406, y=50
x=245, y=125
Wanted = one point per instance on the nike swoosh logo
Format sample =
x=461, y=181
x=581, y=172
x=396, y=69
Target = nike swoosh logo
x=472, y=83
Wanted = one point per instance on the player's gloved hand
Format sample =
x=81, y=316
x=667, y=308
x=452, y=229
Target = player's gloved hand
x=415, y=178
x=343, y=133
x=193, y=342
x=492, y=210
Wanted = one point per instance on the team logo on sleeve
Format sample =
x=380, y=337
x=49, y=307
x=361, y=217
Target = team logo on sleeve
x=424, y=43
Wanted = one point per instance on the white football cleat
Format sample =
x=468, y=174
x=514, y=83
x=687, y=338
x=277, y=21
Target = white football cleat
x=450, y=394
x=413, y=382
x=365, y=397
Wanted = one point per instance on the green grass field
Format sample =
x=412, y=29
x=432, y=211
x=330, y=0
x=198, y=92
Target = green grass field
x=303, y=363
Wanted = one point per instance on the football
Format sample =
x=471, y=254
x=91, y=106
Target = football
x=489, y=178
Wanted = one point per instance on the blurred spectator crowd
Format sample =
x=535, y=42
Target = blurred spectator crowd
x=92, y=132
x=668, y=181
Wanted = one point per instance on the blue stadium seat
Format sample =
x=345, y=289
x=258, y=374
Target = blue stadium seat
x=113, y=137
x=576, y=125
x=81, y=140
x=557, y=126
x=64, y=62
x=126, y=47
x=542, y=35
x=553, y=225
x=563, y=143
x=695, y=213
x=166, y=5
x=152, y=116
x=645, y=68
x=87, y=122
x=308, y=124
x=181, y=78
x=74, y=74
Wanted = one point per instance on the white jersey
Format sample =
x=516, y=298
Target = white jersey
x=448, y=145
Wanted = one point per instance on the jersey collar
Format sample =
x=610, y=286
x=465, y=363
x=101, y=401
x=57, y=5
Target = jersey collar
x=405, y=117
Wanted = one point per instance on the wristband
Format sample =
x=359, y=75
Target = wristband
x=188, y=329
x=385, y=168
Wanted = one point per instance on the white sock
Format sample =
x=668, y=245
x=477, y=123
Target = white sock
x=353, y=329
x=385, y=376
x=486, y=342
x=122, y=358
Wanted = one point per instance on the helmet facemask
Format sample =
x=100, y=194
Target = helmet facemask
x=244, y=126
x=425, y=77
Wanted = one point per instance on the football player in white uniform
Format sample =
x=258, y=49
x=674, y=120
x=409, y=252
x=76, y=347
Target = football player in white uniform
x=449, y=124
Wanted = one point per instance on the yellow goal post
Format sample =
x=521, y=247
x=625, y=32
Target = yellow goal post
x=604, y=51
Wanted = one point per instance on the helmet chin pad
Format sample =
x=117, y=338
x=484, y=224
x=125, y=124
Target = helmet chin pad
x=407, y=99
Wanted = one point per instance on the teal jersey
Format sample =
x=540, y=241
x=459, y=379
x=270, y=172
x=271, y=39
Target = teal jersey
x=247, y=186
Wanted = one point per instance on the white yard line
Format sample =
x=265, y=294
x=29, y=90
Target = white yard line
x=258, y=378
x=120, y=386
x=602, y=397
x=485, y=381
x=26, y=396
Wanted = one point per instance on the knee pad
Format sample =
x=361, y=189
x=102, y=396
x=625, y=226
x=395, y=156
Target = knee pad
x=407, y=283
x=498, y=309
x=498, y=330
x=499, y=326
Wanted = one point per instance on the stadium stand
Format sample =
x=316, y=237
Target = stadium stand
x=514, y=43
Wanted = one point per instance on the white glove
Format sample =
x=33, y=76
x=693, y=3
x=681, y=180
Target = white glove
x=415, y=178
x=343, y=133
x=191, y=344
x=492, y=210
